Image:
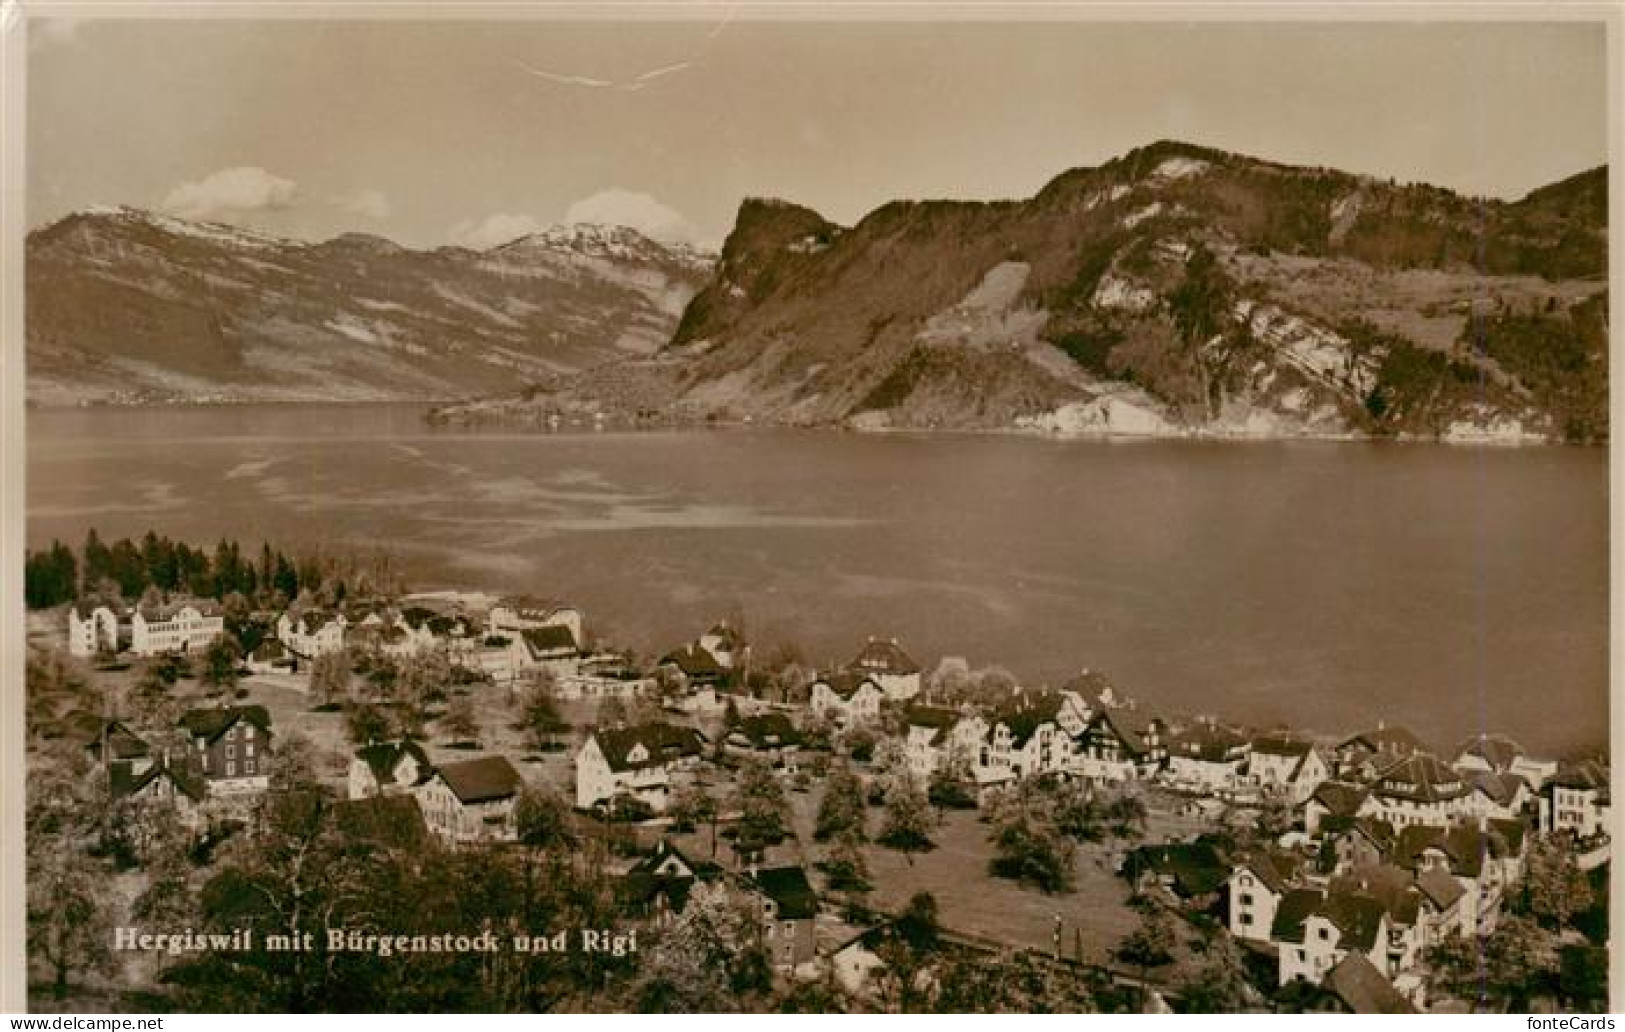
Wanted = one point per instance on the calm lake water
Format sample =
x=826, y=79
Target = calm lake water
x=1326, y=585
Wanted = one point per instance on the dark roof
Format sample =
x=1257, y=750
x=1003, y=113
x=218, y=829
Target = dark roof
x=384, y=757
x=123, y=783
x=790, y=889
x=1025, y=712
x=1511, y=830
x=1363, y=989
x=1273, y=871
x=883, y=656
x=662, y=742
x=1127, y=726
x=1441, y=889
x=696, y=662
x=1281, y=745
x=551, y=638
x=1356, y=915
x=1582, y=774
x=938, y=719
x=767, y=731
x=210, y=724
x=1390, y=886
x=1502, y=789
x=1213, y=743
x=482, y=780
x=1421, y=777
x=1464, y=845
x=1390, y=739
x=1498, y=751
x=1195, y=868
x=1340, y=798
x=846, y=683
x=122, y=743
x=1294, y=910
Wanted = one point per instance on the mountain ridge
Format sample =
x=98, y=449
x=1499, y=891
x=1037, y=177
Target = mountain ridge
x=1174, y=290
x=127, y=305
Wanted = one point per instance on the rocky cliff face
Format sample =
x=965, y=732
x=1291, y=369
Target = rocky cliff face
x=128, y=305
x=1174, y=290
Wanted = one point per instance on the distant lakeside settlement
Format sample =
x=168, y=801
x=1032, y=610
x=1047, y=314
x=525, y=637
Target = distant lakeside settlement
x=871, y=836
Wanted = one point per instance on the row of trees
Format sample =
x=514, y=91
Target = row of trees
x=127, y=569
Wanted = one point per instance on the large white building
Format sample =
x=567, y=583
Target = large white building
x=96, y=627
x=186, y=625
x=634, y=761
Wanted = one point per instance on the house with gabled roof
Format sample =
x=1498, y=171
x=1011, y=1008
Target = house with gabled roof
x=1257, y=884
x=312, y=632
x=387, y=768
x=1285, y=767
x=926, y=742
x=884, y=661
x=658, y=885
x=1362, y=755
x=271, y=656
x=517, y=613
x=1491, y=794
x=637, y=761
x=116, y=743
x=1207, y=756
x=697, y=665
x=1493, y=753
x=163, y=786
x=1577, y=800
x=1355, y=842
x=472, y=800
x=770, y=735
x=231, y=747
x=725, y=644
x=179, y=625
x=1025, y=736
x=1315, y=929
x=788, y=909
x=1334, y=801
x=1419, y=789
x=1484, y=860
x=1118, y=744
x=847, y=697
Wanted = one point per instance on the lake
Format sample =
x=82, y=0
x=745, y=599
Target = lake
x=1328, y=585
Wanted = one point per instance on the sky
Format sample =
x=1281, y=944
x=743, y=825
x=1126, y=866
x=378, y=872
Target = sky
x=477, y=132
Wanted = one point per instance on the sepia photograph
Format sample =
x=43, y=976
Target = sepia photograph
x=736, y=508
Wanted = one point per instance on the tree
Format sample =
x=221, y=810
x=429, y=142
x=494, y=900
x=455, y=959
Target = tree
x=540, y=719
x=692, y=967
x=690, y=807
x=1553, y=888
x=763, y=810
x=69, y=913
x=220, y=661
x=1029, y=849
x=842, y=810
x=543, y=819
x=907, y=823
x=1219, y=983
x=330, y=677
x=461, y=723
x=1152, y=943
x=368, y=724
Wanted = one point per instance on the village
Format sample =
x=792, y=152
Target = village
x=1168, y=855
